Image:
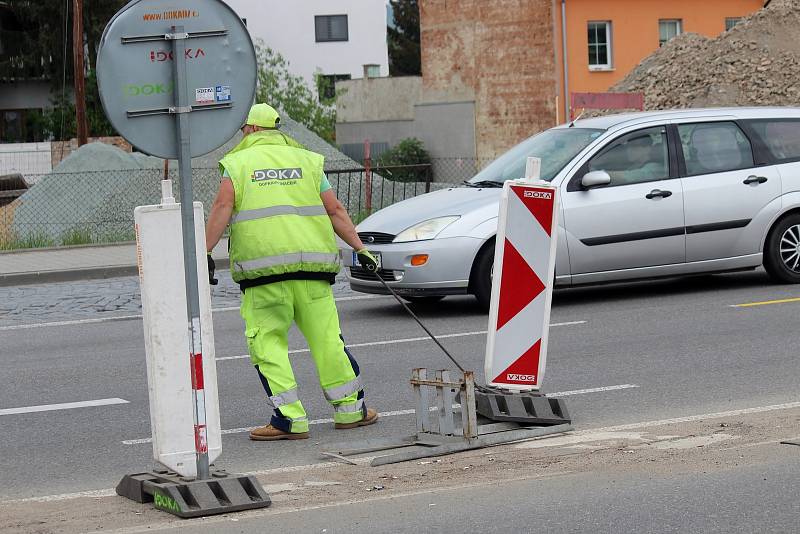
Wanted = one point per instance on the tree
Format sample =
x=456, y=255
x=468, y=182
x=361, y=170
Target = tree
x=408, y=152
x=404, y=47
x=59, y=121
x=290, y=93
x=40, y=36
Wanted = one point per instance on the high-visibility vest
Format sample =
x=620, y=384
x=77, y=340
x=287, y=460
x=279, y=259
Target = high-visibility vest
x=279, y=224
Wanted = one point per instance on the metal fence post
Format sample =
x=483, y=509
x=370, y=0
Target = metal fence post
x=368, y=176
x=428, y=178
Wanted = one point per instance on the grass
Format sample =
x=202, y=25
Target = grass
x=36, y=240
x=77, y=236
x=72, y=237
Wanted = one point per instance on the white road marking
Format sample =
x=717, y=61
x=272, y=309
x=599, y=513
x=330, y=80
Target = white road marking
x=401, y=412
x=326, y=465
x=69, y=323
x=139, y=316
x=394, y=341
x=715, y=415
x=592, y=433
x=63, y=406
x=65, y=496
x=591, y=390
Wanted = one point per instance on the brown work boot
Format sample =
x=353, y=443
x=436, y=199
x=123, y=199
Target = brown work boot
x=371, y=417
x=270, y=433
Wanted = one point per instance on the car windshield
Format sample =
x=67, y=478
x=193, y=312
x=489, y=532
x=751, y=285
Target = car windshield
x=555, y=147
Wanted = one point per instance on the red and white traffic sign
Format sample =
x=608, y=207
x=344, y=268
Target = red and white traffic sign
x=522, y=286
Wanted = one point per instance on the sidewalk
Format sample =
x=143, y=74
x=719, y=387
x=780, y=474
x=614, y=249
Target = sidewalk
x=63, y=264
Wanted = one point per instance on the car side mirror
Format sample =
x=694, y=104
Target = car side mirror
x=595, y=178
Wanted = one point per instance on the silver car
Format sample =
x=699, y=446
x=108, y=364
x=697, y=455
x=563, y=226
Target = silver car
x=643, y=195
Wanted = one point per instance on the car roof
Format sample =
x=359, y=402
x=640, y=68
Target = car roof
x=609, y=122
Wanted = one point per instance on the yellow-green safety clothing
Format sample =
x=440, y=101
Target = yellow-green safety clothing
x=279, y=224
x=268, y=311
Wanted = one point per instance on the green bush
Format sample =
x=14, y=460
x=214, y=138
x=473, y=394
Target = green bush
x=409, y=151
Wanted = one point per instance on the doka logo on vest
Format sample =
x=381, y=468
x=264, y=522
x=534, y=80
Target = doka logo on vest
x=277, y=174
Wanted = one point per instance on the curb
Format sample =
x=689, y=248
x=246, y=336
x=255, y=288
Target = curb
x=70, y=275
x=82, y=262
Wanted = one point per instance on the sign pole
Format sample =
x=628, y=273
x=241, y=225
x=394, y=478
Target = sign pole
x=182, y=110
x=164, y=73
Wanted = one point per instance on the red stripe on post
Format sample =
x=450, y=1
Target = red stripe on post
x=200, y=439
x=197, y=371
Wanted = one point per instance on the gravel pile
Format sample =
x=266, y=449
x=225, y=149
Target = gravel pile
x=755, y=63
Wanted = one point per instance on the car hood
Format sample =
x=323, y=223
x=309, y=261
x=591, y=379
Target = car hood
x=455, y=201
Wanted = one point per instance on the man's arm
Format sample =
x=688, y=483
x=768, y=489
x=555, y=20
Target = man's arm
x=220, y=214
x=342, y=224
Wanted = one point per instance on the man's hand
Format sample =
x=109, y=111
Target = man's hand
x=367, y=260
x=211, y=268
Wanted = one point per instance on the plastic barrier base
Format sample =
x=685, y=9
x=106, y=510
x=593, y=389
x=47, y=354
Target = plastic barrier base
x=444, y=428
x=184, y=498
x=521, y=407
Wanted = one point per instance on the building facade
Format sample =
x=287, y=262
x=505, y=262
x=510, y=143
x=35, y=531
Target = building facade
x=606, y=39
x=507, y=67
x=337, y=39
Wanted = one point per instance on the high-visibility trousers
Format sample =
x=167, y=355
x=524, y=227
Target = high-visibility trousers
x=268, y=312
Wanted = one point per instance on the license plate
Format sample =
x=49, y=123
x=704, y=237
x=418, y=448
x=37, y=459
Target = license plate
x=357, y=263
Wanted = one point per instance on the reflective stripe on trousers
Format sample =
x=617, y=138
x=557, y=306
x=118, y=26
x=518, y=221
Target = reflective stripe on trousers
x=287, y=397
x=261, y=213
x=287, y=259
x=349, y=408
x=345, y=390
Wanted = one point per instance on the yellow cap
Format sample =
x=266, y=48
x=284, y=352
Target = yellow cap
x=263, y=115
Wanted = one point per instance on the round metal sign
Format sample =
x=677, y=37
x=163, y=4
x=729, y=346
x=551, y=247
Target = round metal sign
x=136, y=73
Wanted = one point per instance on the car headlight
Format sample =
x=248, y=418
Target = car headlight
x=425, y=230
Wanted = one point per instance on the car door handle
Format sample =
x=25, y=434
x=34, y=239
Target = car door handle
x=755, y=180
x=658, y=193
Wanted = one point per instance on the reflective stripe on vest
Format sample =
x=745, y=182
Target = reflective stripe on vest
x=287, y=397
x=343, y=391
x=286, y=259
x=261, y=213
x=349, y=408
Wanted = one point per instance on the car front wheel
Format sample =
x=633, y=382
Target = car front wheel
x=782, y=251
x=482, y=275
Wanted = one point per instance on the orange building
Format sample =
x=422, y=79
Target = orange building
x=606, y=39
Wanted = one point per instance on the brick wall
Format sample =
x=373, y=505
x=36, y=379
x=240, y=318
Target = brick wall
x=499, y=53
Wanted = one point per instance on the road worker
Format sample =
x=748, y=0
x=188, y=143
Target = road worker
x=283, y=254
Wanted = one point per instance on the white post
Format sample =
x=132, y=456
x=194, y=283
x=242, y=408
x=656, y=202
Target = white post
x=166, y=192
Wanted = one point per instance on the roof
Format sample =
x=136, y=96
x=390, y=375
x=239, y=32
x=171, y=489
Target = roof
x=609, y=122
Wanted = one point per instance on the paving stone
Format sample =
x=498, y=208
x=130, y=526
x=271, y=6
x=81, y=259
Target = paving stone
x=96, y=298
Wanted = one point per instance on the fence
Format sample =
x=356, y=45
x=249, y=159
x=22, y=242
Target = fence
x=62, y=209
x=28, y=159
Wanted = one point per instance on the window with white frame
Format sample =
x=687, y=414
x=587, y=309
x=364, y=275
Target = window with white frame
x=599, y=45
x=330, y=28
x=667, y=29
x=730, y=22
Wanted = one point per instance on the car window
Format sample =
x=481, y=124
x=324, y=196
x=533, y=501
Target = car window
x=714, y=147
x=637, y=157
x=781, y=137
x=555, y=147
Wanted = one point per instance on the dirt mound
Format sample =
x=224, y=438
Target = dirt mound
x=756, y=63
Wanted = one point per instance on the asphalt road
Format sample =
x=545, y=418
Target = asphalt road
x=680, y=342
